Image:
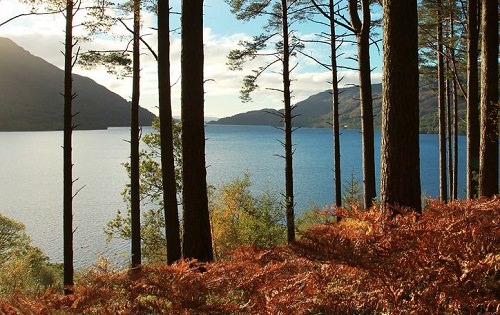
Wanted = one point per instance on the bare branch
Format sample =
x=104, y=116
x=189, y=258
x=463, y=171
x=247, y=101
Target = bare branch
x=31, y=13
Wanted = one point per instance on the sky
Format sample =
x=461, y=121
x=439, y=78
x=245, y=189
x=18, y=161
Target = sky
x=43, y=36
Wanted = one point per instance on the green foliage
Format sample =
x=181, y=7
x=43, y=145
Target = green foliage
x=117, y=63
x=428, y=36
x=269, y=44
x=23, y=267
x=239, y=218
x=151, y=195
x=352, y=193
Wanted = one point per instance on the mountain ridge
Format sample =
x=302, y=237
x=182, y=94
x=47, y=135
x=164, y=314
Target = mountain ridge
x=316, y=111
x=30, y=98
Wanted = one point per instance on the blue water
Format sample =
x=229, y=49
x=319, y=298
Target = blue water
x=31, y=176
x=230, y=150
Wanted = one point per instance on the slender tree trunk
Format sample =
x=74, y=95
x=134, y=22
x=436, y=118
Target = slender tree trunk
x=449, y=121
x=172, y=230
x=443, y=180
x=454, y=122
x=134, y=142
x=197, y=241
x=472, y=100
x=455, y=140
x=488, y=154
x=365, y=92
x=400, y=165
x=67, y=152
x=290, y=215
x=335, y=118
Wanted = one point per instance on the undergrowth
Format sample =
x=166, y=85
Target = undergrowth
x=445, y=261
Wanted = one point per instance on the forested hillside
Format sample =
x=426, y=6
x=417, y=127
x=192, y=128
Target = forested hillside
x=30, y=96
x=316, y=111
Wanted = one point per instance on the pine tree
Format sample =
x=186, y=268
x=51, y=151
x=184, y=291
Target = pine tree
x=362, y=32
x=197, y=239
x=134, y=142
x=172, y=230
x=488, y=155
x=281, y=13
x=67, y=151
x=400, y=162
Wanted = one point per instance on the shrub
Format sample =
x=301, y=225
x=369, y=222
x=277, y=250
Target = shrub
x=239, y=218
x=24, y=268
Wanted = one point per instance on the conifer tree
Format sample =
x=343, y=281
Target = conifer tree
x=362, y=32
x=67, y=148
x=488, y=155
x=329, y=14
x=197, y=239
x=281, y=14
x=172, y=231
x=135, y=205
x=400, y=161
x=472, y=98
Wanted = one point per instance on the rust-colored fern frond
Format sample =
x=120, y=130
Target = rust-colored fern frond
x=444, y=261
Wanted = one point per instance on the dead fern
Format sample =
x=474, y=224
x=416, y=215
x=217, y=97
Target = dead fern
x=445, y=261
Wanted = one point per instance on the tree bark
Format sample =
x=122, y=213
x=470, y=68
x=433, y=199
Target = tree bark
x=443, y=180
x=365, y=91
x=335, y=110
x=135, y=206
x=67, y=153
x=449, y=120
x=454, y=121
x=488, y=154
x=197, y=240
x=472, y=99
x=454, y=193
x=289, y=200
x=172, y=229
x=400, y=161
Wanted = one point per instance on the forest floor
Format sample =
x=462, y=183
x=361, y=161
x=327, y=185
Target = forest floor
x=445, y=261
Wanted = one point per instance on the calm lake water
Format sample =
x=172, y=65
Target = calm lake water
x=31, y=176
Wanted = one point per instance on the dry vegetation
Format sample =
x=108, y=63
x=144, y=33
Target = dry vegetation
x=445, y=261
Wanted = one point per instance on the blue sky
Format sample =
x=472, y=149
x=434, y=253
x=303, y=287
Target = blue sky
x=43, y=37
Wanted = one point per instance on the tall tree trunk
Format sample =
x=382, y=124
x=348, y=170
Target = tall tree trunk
x=335, y=111
x=135, y=205
x=454, y=122
x=365, y=91
x=290, y=215
x=472, y=99
x=197, y=241
x=67, y=152
x=443, y=180
x=449, y=120
x=488, y=154
x=172, y=230
x=454, y=188
x=400, y=165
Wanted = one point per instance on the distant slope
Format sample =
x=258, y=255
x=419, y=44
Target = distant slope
x=316, y=111
x=30, y=96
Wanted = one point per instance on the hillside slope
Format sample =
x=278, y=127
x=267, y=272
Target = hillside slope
x=316, y=111
x=30, y=96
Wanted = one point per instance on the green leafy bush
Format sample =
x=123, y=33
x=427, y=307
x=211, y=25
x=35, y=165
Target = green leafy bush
x=240, y=218
x=23, y=267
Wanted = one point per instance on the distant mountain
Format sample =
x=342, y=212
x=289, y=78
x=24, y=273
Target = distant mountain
x=316, y=111
x=30, y=96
